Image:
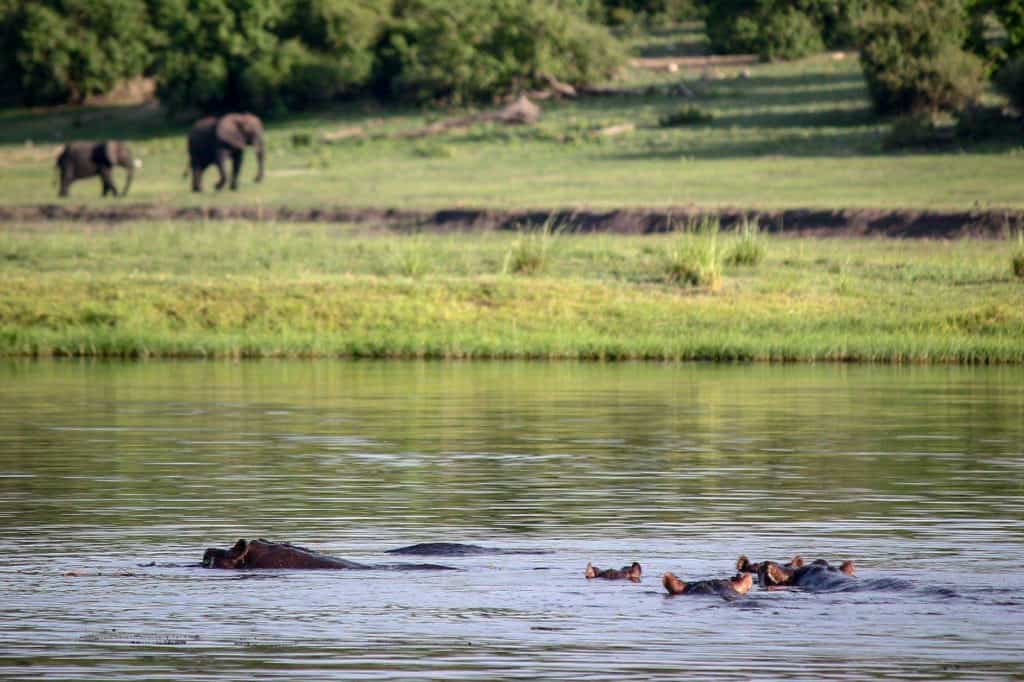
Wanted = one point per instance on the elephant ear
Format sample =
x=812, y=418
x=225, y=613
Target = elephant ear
x=112, y=150
x=231, y=130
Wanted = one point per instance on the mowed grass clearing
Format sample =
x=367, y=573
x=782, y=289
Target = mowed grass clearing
x=264, y=290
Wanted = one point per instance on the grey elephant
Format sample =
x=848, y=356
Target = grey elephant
x=213, y=140
x=79, y=160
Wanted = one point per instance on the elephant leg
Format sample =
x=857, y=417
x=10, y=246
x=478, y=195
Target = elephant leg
x=197, y=178
x=222, y=155
x=236, y=167
x=65, y=183
x=107, y=176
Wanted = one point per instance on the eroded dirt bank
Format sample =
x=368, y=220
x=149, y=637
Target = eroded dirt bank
x=992, y=224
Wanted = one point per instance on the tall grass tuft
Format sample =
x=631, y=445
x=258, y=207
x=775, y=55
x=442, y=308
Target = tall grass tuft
x=529, y=254
x=748, y=249
x=694, y=257
x=1017, y=260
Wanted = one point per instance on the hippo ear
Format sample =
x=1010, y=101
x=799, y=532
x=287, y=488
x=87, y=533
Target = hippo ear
x=847, y=567
x=743, y=563
x=797, y=561
x=591, y=572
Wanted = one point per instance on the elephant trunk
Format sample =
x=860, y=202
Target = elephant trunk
x=259, y=159
x=129, y=169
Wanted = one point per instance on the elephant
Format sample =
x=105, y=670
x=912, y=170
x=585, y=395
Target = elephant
x=729, y=588
x=79, y=160
x=262, y=554
x=631, y=572
x=213, y=140
x=817, y=575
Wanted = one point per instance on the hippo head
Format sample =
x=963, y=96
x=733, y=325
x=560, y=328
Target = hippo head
x=227, y=558
x=742, y=582
x=745, y=565
x=633, y=572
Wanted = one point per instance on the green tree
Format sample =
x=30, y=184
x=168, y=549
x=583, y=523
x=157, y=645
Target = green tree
x=476, y=51
x=913, y=57
x=65, y=50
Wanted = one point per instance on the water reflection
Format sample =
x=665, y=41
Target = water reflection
x=913, y=472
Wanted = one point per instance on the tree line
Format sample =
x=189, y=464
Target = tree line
x=275, y=55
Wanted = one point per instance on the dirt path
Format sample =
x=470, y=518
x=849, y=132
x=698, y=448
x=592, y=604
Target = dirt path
x=992, y=224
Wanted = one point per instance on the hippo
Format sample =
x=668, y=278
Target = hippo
x=745, y=565
x=817, y=575
x=631, y=572
x=261, y=553
x=455, y=549
x=729, y=588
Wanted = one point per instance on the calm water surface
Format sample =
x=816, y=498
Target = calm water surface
x=915, y=474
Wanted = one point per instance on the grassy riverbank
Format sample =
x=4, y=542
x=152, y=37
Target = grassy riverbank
x=799, y=134
x=259, y=290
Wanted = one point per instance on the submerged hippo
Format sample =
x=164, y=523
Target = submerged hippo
x=265, y=554
x=745, y=565
x=817, y=575
x=631, y=572
x=456, y=549
x=729, y=588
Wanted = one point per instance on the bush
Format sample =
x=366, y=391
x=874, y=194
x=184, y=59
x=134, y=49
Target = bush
x=783, y=29
x=1010, y=81
x=531, y=250
x=788, y=34
x=57, y=51
x=458, y=53
x=985, y=122
x=685, y=116
x=748, y=249
x=694, y=258
x=913, y=61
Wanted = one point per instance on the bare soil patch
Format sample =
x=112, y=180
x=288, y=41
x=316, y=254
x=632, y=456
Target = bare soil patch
x=898, y=223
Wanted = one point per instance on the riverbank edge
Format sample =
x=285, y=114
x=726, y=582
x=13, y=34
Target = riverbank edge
x=811, y=222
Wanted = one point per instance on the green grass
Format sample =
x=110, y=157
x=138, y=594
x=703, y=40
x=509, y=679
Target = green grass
x=790, y=135
x=258, y=290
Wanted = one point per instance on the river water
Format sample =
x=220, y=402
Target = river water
x=114, y=477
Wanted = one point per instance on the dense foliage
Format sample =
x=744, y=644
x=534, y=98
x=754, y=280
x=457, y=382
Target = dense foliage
x=438, y=50
x=913, y=59
x=269, y=55
x=264, y=54
x=1008, y=17
x=58, y=51
x=1010, y=80
x=782, y=29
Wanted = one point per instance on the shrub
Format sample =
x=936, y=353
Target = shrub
x=1010, y=81
x=787, y=34
x=685, y=116
x=783, y=29
x=748, y=249
x=476, y=51
x=694, y=258
x=56, y=51
x=530, y=252
x=913, y=62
